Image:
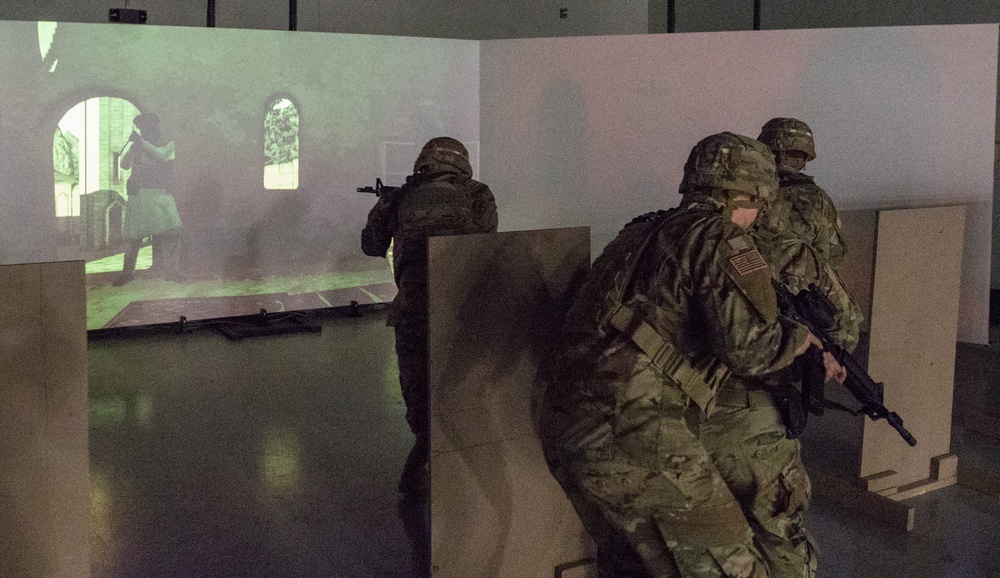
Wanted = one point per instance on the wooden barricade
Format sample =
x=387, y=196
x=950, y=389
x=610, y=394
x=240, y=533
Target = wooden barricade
x=904, y=269
x=495, y=303
x=44, y=467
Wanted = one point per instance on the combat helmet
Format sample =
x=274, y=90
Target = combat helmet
x=726, y=164
x=788, y=134
x=445, y=151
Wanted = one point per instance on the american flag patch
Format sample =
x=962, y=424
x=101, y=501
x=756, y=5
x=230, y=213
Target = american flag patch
x=746, y=263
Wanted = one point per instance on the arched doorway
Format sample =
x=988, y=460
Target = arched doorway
x=89, y=185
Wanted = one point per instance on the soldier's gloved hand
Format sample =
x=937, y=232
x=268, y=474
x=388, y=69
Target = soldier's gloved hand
x=834, y=370
x=810, y=340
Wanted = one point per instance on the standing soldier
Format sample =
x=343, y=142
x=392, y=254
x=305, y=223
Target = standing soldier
x=799, y=232
x=439, y=198
x=675, y=459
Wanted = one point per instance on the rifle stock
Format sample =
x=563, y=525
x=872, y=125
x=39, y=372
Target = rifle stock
x=812, y=309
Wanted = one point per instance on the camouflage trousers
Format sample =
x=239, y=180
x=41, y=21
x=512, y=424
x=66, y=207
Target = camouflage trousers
x=722, y=496
x=412, y=355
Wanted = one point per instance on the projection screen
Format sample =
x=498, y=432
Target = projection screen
x=594, y=131
x=273, y=133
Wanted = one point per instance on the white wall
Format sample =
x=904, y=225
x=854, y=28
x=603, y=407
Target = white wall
x=593, y=131
x=527, y=18
x=711, y=15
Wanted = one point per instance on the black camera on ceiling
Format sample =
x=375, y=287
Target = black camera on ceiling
x=127, y=15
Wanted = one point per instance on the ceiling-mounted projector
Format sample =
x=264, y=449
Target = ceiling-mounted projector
x=127, y=15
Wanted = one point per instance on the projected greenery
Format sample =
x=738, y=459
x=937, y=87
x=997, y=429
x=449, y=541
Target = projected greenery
x=281, y=146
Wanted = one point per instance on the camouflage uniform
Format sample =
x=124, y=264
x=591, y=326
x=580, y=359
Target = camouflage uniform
x=440, y=198
x=804, y=211
x=799, y=232
x=675, y=463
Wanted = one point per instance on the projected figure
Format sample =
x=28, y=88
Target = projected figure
x=653, y=422
x=150, y=210
x=439, y=198
x=799, y=232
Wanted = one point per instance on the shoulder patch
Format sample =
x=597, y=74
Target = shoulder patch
x=738, y=244
x=747, y=262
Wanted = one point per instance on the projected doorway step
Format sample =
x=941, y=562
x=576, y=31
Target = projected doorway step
x=195, y=308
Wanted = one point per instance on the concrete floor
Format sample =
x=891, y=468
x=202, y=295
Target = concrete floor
x=278, y=457
x=267, y=457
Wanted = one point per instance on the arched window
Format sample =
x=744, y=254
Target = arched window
x=281, y=145
x=85, y=150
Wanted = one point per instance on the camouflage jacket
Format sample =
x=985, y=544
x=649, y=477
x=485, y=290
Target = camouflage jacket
x=703, y=286
x=438, y=201
x=802, y=211
x=799, y=236
x=700, y=283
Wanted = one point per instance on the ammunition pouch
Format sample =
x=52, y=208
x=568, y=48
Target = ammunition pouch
x=730, y=397
x=699, y=379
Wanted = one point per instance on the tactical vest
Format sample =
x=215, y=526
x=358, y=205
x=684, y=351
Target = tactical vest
x=435, y=204
x=601, y=306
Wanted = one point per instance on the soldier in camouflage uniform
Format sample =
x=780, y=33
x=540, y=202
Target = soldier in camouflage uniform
x=799, y=232
x=439, y=198
x=675, y=462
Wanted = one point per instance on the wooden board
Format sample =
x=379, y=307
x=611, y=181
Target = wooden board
x=44, y=467
x=914, y=326
x=495, y=303
x=857, y=271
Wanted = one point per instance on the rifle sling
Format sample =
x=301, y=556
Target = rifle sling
x=699, y=382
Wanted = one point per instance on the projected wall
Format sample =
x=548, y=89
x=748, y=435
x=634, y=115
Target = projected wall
x=593, y=131
x=273, y=133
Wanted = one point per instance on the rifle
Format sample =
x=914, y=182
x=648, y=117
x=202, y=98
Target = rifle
x=379, y=189
x=814, y=310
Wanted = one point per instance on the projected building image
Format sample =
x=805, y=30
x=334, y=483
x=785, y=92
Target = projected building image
x=269, y=137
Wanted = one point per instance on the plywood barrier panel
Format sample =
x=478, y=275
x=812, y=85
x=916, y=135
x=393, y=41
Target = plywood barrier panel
x=495, y=303
x=914, y=321
x=857, y=269
x=43, y=421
